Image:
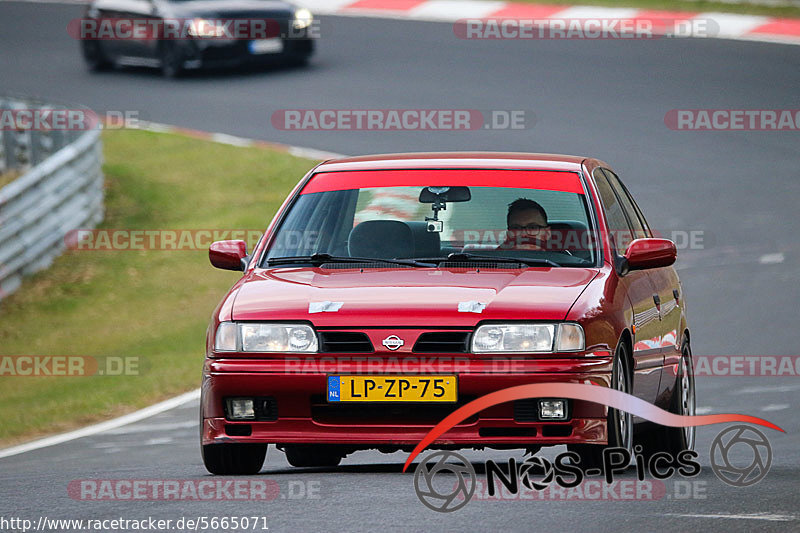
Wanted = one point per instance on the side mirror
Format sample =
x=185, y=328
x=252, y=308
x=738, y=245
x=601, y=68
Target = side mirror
x=650, y=253
x=228, y=255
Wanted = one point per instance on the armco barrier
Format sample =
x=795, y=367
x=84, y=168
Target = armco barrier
x=61, y=191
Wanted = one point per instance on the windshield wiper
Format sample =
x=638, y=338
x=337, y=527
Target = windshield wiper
x=320, y=258
x=467, y=257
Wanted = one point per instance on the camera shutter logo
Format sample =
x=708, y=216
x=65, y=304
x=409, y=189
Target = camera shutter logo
x=465, y=481
x=725, y=466
x=393, y=342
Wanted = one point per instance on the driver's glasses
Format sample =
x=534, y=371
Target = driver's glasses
x=529, y=227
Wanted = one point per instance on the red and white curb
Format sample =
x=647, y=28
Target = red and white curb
x=233, y=140
x=731, y=26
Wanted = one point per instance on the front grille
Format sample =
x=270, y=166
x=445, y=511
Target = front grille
x=425, y=414
x=345, y=342
x=526, y=410
x=443, y=342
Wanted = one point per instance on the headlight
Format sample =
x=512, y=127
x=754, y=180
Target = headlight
x=302, y=19
x=206, y=28
x=252, y=337
x=527, y=338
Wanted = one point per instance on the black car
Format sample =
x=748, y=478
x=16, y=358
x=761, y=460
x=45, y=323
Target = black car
x=176, y=35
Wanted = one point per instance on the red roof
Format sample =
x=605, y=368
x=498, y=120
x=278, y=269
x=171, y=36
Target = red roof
x=455, y=160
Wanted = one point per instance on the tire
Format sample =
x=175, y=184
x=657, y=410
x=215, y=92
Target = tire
x=302, y=455
x=234, y=459
x=94, y=57
x=669, y=439
x=620, y=423
x=171, y=59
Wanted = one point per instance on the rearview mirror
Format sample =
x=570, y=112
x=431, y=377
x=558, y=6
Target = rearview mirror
x=650, y=253
x=228, y=255
x=430, y=195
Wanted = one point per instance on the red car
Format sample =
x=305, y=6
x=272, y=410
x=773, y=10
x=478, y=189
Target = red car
x=390, y=290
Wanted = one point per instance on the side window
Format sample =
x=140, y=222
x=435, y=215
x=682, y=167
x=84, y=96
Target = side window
x=640, y=228
x=615, y=217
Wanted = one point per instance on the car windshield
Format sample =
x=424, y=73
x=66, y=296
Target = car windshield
x=540, y=221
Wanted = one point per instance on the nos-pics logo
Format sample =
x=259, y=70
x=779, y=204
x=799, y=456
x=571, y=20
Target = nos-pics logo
x=445, y=481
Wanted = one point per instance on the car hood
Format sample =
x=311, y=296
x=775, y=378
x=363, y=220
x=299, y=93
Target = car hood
x=408, y=297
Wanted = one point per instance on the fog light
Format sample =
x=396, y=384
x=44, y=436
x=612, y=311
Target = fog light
x=241, y=409
x=553, y=409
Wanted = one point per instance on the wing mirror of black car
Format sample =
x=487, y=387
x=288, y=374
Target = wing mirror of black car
x=431, y=195
x=647, y=253
x=228, y=255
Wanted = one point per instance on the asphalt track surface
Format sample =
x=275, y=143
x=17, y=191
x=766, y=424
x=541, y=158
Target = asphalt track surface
x=601, y=98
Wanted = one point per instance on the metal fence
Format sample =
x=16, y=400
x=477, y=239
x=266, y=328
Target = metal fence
x=60, y=189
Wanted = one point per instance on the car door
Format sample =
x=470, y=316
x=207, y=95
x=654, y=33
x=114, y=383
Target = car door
x=647, y=354
x=664, y=279
x=106, y=12
x=142, y=12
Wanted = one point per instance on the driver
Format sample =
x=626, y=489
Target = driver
x=527, y=226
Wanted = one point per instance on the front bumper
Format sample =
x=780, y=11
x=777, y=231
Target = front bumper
x=211, y=54
x=298, y=387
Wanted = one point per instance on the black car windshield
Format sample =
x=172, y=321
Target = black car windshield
x=438, y=225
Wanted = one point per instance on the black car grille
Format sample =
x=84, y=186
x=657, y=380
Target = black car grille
x=526, y=410
x=443, y=342
x=345, y=342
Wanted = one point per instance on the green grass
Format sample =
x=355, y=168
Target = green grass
x=684, y=5
x=154, y=305
x=8, y=176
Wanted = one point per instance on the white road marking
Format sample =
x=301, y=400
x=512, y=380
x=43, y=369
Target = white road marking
x=775, y=407
x=142, y=428
x=453, y=10
x=732, y=25
x=771, y=259
x=124, y=420
x=313, y=153
x=703, y=410
x=224, y=138
x=780, y=388
x=751, y=516
x=161, y=440
x=596, y=12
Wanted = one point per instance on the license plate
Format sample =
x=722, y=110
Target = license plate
x=433, y=388
x=266, y=46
